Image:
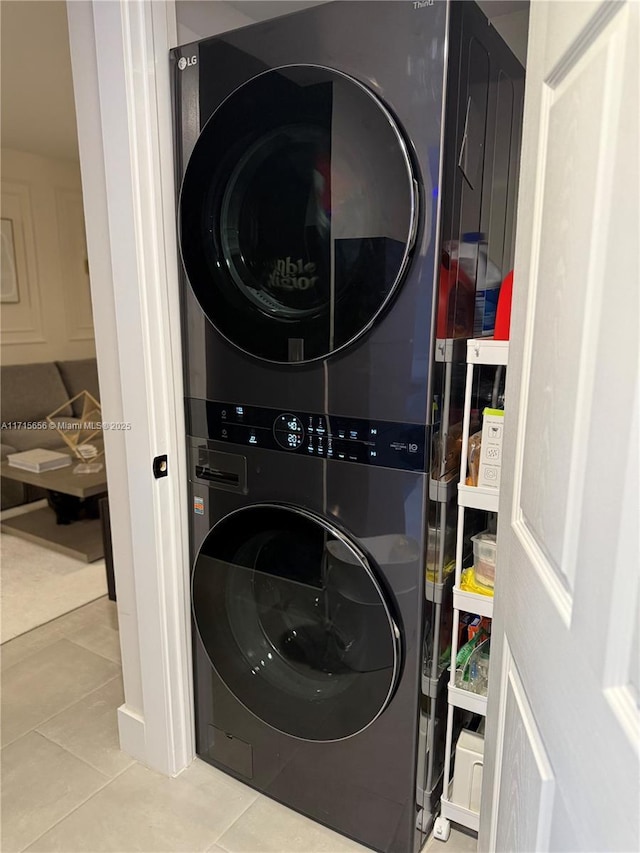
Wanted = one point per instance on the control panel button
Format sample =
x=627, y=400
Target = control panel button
x=288, y=431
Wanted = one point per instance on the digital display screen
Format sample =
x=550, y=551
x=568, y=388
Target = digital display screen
x=381, y=443
x=288, y=431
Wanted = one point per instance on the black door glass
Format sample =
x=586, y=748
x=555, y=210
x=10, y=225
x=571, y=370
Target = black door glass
x=297, y=213
x=295, y=623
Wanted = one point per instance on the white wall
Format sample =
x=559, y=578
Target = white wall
x=37, y=108
x=52, y=319
x=511, y=20
x=514, y=29
x=198, y=19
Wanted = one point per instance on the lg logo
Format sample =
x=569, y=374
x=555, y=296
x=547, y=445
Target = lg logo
x=185, y=62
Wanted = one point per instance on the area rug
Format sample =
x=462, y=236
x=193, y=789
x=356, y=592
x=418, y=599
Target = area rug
x=38, y=585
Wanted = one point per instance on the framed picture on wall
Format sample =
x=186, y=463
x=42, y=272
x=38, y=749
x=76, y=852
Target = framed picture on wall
x=8, y=274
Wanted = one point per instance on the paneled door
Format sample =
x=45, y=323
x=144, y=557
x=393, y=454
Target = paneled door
x=562, y=768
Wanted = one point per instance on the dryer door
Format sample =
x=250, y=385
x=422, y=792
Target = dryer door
x=298, y=213
x=295, y=622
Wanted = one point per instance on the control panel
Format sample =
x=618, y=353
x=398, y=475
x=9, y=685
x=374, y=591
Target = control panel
x=383, y=443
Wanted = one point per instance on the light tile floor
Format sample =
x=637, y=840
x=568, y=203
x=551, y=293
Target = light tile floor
x=67, y=787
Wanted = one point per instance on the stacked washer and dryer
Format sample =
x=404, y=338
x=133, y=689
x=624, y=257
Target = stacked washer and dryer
x=310, y=152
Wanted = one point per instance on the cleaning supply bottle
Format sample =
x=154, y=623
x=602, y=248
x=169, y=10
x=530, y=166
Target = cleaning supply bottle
x=456, y=296
x=487, y=278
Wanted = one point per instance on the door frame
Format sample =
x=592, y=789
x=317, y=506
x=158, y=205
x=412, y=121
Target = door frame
x=119, y=54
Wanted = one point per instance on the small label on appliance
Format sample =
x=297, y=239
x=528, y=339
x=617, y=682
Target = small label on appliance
x=198, y=506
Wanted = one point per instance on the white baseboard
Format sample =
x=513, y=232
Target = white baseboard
x=132, y=733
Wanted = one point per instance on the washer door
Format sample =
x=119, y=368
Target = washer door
x=298, y=213
x=295, y=623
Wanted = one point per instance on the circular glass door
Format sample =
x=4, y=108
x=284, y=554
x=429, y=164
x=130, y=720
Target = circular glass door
x=298, y=213
x=295, y=623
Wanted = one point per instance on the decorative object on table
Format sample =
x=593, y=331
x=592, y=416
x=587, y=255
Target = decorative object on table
x=39, y=460
x=8, y=272
x=88, y=452
x=79, y=432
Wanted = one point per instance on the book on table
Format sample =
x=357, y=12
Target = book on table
x=39, y=460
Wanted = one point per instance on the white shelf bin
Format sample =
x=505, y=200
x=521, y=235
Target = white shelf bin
x=467, y=700
x=441, y=491
x=450, y=349
x=460, y=815
x=435, y=592
x=473, y=602
x=487, y=351
x=477, y=497
x=432, y=687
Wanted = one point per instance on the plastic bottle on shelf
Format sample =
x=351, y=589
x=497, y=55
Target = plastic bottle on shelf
x=486, y=277
x=456, y=295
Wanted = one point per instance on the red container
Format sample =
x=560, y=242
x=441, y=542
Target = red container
x=456, y=301
x=503, y=312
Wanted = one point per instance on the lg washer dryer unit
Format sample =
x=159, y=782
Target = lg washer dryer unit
x=306, y=609
x=316, y=176
x=308, y=173
x=298, y=213
x=295, y=622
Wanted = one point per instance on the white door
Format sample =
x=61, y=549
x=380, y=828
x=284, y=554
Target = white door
x=562, y=768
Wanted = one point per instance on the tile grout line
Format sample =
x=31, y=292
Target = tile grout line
x=30, y=654
x=48, y=625
x=50, y=622
x=233, y=823
x=60, y=710
x=49, y=738
x=265, y=797
x=79, y=805
x=87, y=649
x=73, y=755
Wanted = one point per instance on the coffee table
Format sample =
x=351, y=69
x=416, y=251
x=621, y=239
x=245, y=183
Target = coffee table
x=83, y=539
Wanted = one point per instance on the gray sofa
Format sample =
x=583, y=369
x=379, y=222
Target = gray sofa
x=30, y=392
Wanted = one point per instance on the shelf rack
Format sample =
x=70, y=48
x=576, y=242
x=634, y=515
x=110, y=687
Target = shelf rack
x=450, y=353
x=479, y=352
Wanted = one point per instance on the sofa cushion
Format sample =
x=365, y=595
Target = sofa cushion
x=30, y=392
x=80, y=375
x=5, y=450
x=30, y=439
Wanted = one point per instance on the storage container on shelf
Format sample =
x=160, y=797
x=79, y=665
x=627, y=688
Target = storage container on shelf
x=474, y=674
x=484, y=557
x=433, y=547
x=467, y=776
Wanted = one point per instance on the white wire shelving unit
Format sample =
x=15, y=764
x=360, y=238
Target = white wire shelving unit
x=479, y=352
